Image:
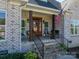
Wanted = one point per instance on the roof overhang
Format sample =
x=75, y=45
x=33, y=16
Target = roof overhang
x=33, y=7
x=41, y=9
x=18, y=2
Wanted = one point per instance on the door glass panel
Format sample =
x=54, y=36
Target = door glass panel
x=40, y=27
x=34, y=26
x=37, y=26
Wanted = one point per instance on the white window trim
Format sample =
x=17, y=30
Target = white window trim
x=5, y=23
x=74, y=32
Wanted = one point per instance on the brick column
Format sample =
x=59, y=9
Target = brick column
x=13, y=28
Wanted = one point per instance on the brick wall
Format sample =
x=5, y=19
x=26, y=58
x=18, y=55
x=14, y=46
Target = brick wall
x=12, y=40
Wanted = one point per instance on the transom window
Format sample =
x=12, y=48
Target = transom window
x=45, y=0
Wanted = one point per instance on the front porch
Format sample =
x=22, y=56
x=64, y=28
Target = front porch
x=40, y=30
x=39, y=24
x=40, y=33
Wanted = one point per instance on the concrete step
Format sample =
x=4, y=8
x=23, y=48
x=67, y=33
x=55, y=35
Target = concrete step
x=50, y=49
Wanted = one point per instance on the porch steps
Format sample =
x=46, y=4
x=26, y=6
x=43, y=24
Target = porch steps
x=50, y=49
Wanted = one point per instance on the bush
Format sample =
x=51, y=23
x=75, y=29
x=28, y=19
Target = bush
x=77, y=55
x=12, y=56
x=63, y=46
x=28, y=55
x=31, y=55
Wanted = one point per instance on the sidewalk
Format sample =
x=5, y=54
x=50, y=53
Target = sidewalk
x=66, y=57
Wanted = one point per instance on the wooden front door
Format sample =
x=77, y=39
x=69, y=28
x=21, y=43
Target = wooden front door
x=37, y=26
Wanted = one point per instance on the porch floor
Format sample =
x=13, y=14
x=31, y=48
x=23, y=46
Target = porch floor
x=43, y=39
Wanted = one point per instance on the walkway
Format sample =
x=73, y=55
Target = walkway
x=66, y=57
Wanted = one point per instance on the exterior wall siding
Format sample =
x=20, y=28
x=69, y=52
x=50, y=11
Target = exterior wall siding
x=3, y=4
x=72, y=14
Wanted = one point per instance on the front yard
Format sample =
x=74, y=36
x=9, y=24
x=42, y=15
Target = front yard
x=28, y=55
x=13, y=56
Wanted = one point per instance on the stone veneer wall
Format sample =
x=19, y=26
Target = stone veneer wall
x=13, y=27
x=12, y=40
x=72, y=14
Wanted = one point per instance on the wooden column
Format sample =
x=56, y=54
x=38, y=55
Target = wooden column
x=53, y=27
x=30, y=26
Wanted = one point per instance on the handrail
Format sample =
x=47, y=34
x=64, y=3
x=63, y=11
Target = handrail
x=68, y=41
x=39, y=44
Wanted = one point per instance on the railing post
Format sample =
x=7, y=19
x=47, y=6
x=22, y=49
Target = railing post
x=39, y=45
x=62, y=28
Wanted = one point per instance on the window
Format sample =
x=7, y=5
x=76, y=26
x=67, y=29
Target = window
x=23, y=33
x=45, y=28
x=45, y=0
x=75, y=27
x=72, y=29
x=2, y=24
x=24, y=29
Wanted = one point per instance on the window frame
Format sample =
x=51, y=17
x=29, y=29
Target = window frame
x=75, y=27
x=5, y=24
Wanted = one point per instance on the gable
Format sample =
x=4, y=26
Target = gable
x=46, y=4
x=44, y=0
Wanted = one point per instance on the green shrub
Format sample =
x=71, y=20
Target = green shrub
x=77, y=55
x=63, y=46
x=12, y=56
x=30, y=55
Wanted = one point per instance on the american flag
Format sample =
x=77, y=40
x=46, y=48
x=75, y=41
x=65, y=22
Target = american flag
x=57, y=19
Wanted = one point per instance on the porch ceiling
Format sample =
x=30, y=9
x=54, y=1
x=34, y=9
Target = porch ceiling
x=36, y=8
